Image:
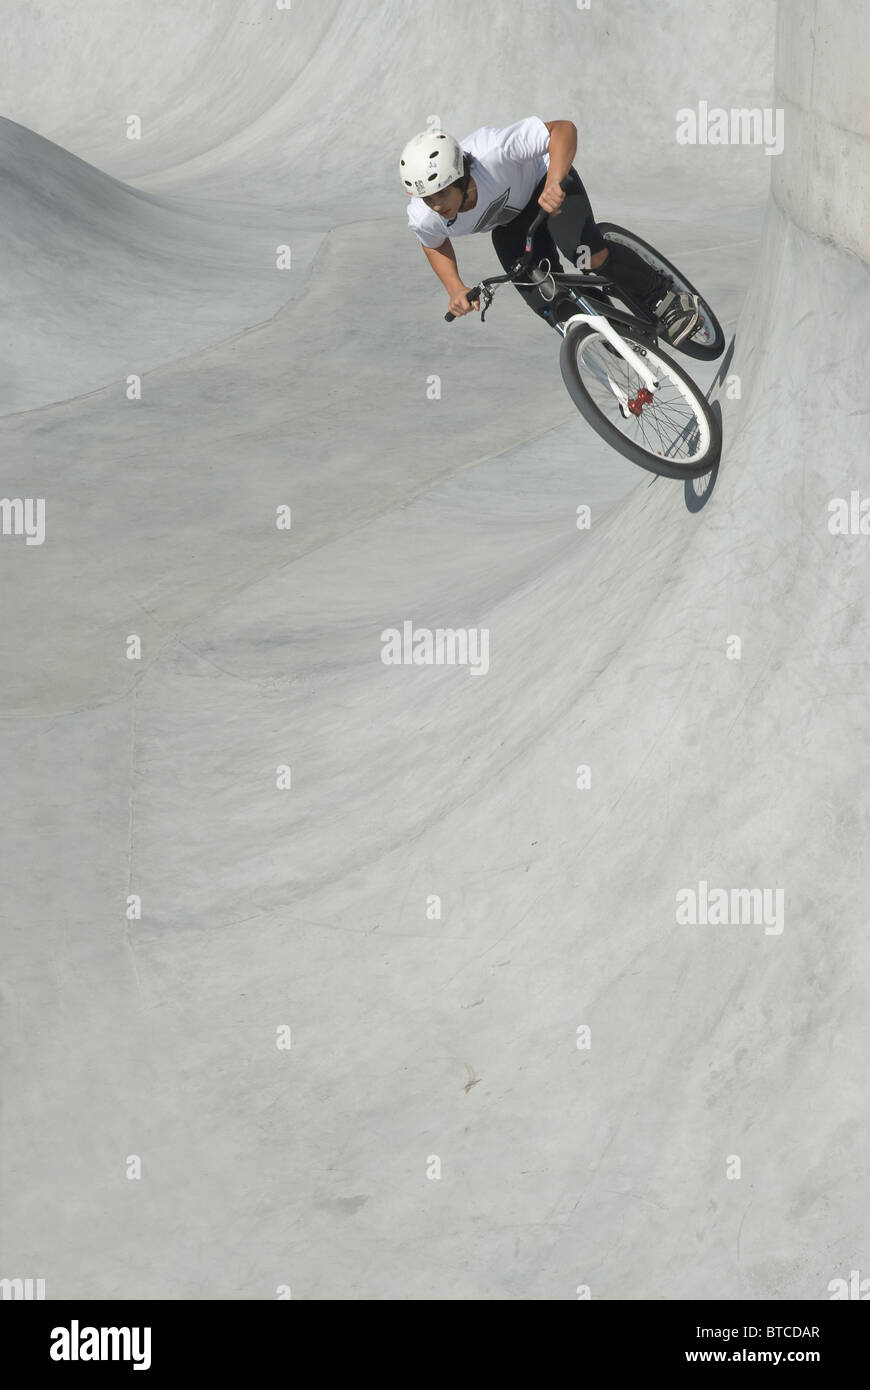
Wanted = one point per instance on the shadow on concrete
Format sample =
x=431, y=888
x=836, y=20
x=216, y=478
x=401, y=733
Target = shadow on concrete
x=698, y=491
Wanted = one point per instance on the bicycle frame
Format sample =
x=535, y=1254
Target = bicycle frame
x=598, y=322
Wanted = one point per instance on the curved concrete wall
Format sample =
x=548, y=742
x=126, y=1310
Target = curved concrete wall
x=822, y=178
x=611, y=645
x=245, y=96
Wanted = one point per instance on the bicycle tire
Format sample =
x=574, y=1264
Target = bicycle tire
x=701, y=352
x=612, y=436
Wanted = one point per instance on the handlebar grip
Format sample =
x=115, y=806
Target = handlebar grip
x=471, y=297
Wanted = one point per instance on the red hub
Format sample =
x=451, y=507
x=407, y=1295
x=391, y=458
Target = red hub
x=643, y=397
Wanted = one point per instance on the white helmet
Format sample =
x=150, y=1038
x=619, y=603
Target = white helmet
x=430, y=162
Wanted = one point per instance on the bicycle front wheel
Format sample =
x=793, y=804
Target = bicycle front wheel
x=671, y=431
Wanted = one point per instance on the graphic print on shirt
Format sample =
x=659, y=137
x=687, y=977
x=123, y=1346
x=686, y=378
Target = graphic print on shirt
x=498, y=213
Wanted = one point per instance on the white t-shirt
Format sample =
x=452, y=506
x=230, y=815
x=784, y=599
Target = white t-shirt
x=507, y=165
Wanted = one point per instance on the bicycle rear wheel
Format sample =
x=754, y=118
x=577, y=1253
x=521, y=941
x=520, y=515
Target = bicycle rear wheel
x=671, y=431
x=708, y=341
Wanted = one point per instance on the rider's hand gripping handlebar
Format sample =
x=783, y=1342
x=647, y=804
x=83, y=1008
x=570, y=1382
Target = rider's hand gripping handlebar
x=473, y=296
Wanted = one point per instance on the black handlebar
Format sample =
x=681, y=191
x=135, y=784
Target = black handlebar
x=473, y=295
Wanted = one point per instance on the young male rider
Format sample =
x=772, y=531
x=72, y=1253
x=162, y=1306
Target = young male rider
x=496, y=181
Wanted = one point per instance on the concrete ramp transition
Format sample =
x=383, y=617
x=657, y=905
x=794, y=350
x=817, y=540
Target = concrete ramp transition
x=541, y=964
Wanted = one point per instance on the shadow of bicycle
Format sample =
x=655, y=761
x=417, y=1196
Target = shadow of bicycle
x=698, y=491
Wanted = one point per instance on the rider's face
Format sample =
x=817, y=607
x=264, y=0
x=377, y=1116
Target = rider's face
x=447, y=203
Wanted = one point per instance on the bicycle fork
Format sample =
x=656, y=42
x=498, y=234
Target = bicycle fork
x=600, y=324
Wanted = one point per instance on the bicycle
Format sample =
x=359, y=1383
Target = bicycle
x=624, y=384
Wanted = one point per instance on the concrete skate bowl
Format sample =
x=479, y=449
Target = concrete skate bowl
x=256, y=832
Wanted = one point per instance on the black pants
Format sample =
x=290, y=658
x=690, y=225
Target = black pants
x=574, y=228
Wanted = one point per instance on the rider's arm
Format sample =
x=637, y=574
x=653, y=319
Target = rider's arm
x=443, y=261
x=563, y=147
